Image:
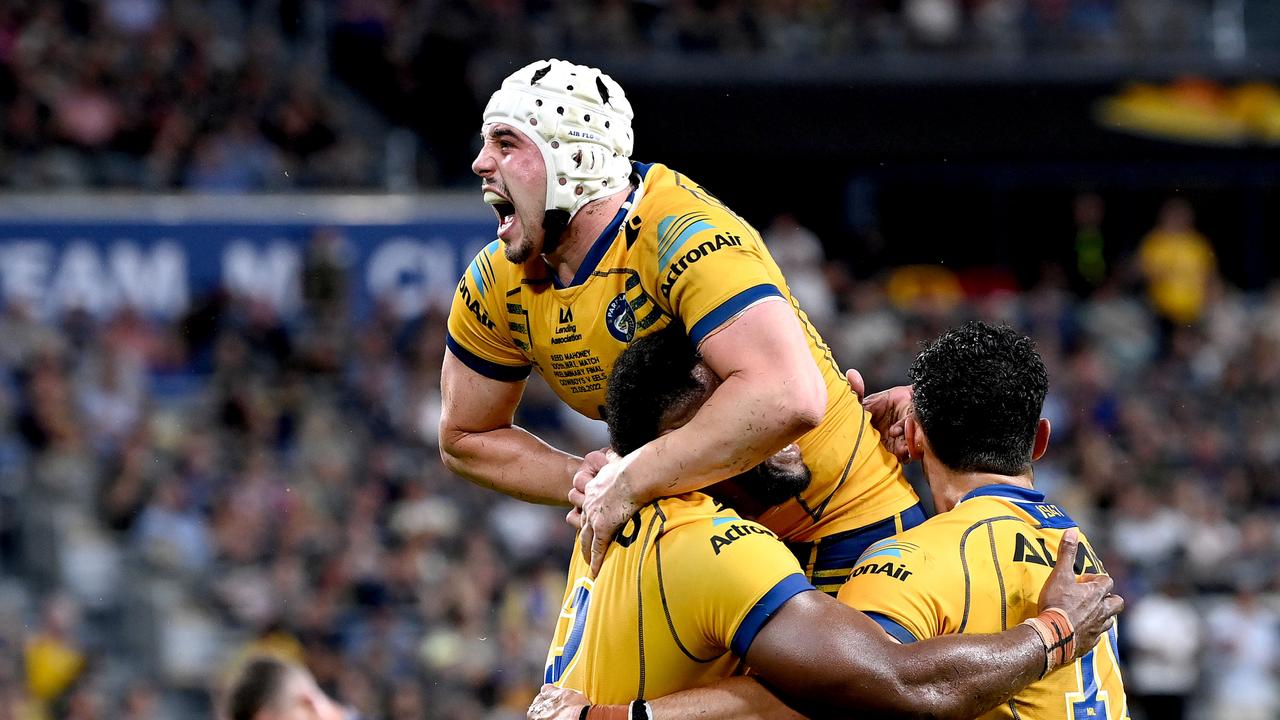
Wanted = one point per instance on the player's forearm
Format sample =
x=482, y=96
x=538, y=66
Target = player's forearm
x=745, y=421
x=949, y=677
x=511, y=460
x=825, y=658
x=736, y=698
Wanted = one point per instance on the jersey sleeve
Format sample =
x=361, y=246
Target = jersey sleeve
x=478, y=333
x=728, y=576
x=711, y=265
x=897, y=584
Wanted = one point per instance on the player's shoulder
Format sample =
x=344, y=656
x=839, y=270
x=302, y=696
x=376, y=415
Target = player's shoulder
x=672, y=201
x=947, y=527
x=929, y=546
x=490, y=271
x=696, y=519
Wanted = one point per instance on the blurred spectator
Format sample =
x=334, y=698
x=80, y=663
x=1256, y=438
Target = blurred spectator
x=1090, y=245
x=1178, y=264
x=53, y=657
x=140, y=702
x=1243, y=637
x=237, y=159
x=171, y=533
x=800, y=256
x=1162, y=632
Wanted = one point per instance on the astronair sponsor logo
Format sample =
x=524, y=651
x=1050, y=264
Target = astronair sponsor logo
x=889, y=547
x=705, y=248
x=473, y=305
x=897, y=571
x=737, y=531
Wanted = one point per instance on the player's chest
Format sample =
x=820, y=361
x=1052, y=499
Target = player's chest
x=574, y=336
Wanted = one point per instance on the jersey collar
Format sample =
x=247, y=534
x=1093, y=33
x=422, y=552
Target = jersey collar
x=598, y=248
x=1011, y=492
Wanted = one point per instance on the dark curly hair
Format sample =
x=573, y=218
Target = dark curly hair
x=978, y=392
x=651, y=377
x=652, y=381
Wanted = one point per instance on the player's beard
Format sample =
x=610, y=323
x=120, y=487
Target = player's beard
x=770, y=483
x=524, y=248
x=520, y=251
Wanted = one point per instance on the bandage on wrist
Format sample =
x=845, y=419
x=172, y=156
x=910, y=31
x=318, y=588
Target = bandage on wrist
x=1059, y=638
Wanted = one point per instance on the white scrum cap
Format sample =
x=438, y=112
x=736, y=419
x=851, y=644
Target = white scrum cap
x=581, y=122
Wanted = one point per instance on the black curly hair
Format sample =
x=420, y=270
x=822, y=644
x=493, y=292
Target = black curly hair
x=653, y=376
x=653, y=381
x=978, y=392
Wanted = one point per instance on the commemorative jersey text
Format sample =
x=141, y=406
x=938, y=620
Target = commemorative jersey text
x=979, y=569
x=673, y=252
x=649, y=624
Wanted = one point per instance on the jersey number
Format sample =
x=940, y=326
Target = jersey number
x=1090, y=702
x=574, y=615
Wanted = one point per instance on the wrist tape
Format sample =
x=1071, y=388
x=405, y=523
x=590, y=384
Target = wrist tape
x=1059, y=638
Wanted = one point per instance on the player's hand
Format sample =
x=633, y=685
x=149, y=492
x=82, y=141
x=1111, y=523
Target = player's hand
x=608, y=503
x=856, y=383
x=1087, y=601
x=557, y=703
x=591, y=465
x=889, y=410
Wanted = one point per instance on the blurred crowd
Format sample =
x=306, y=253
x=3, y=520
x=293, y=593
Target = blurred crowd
x=263, y=95
x=175, y=496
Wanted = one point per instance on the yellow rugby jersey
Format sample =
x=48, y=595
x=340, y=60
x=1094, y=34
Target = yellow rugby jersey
x=678, y=601
x=979, y=569
x=673, y=251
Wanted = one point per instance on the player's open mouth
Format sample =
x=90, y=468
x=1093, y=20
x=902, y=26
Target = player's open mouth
x=503, y=207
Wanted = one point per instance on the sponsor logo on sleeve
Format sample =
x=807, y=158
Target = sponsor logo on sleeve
x=736, y=531
x=700, y=251
x=886, y=557
x=473, y=305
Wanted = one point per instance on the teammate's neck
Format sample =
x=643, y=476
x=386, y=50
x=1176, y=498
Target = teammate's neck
x=950, y=486
x=581, y=234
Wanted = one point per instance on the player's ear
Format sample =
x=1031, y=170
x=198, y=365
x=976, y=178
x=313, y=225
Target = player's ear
x=914, y=435
x=1043, y=428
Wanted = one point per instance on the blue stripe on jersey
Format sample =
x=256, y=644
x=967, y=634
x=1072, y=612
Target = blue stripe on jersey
x=598, y=248
x=489, y=250
x=1030, y=501
x=478, y=278
x=491, y=370
x=676, y=243
x=1012, y=492
x=664, y=229
x=641, y=169
x=729, y=308
x=787, y=588
x=1049, y=516
x=892, y=627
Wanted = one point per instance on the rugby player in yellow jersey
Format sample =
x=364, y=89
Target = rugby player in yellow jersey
x=593, y=251
x=692, y=590
x=977, y=566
